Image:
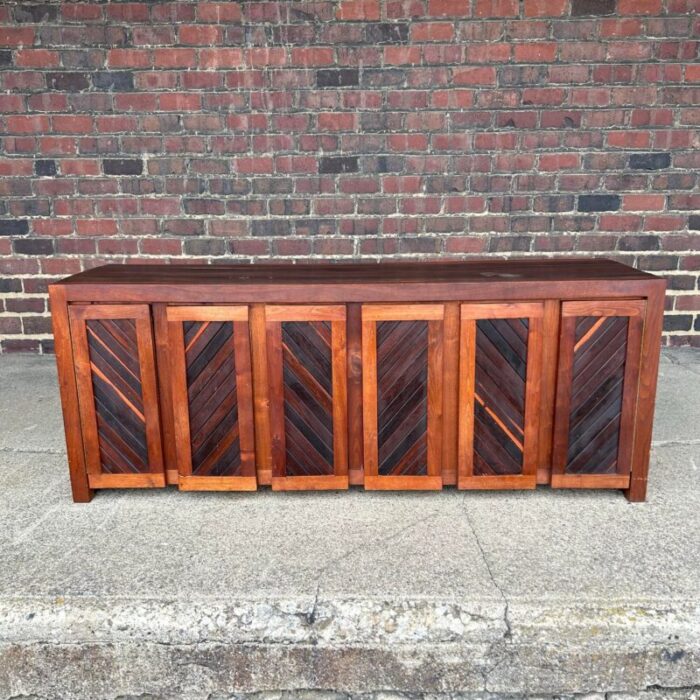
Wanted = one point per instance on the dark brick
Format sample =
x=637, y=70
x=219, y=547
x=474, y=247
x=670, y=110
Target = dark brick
x=694, y=222
x=338, y=164
x=386, y=33
x=33, y=246
x=123, y=166
x=384, y=77
x=120, y=81
x=633, y=243
x=650, y=161
x=14, y=227
x=581, y=8
x=504, y=244
x=205, y=246
x=315, y=227
x=45, y=168
x=36, y=13
x=47, y=347
x=5, y=58
x=345, y=77
x=598, y=202
x=677, y=282
x=677, y=323
x=68, y=82
x=10, y=285
x=383, y=164
x=271, y=227
x=34, y=325
x=696, y=326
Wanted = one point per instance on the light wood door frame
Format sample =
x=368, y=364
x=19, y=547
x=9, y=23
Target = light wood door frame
x=469, y=315
x=634, y=310
x=275, y=316
x=79, y=315
x=434, y=314
x=238, y=317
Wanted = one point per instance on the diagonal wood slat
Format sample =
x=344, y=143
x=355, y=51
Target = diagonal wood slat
x=499, y=402
x=402, y=397
x=307, y=379
x=116, y=385
x=597, y=386
x=212, y=398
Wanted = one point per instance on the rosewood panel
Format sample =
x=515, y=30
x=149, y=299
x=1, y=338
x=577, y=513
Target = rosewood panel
x=307, y=371
x=212, y=390
x=499, y=395
x=597, y=388
x=403, y=401
x=115, y=370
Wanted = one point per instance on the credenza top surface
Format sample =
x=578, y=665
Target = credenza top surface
x=281, y=274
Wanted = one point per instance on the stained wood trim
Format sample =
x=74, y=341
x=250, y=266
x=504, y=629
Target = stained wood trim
x=178, y=383
x=403, y=483
x=166, y=407
x=470, y=313
x=81, y=491
x=435, y=398
x=218, y=483
x=340, y=397
x=207, y=313
x=590, y=481
x=127, y=481
x=244, y=392
x=354, y=389
x=403, y=312
x=560, y=445
x=261, y=394
x=550, y=355
x=646, y=388
x=501, y=310
x=369, y=398
x=293, y=312
x=83, y=312
x=498, y=483
x=450, y=393
x=276, y=393
x=618, y=307
x=310, y=483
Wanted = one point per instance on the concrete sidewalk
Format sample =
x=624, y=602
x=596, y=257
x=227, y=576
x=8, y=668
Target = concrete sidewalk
x=194, y=595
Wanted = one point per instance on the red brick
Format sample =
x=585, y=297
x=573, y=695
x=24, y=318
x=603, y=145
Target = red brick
x=475, y=76
x=639, y=7
x=358, y=10
x=72, y=124
x=402, y=55
x=643, y=202
x=220, y=12
x=432, y=31
x=314, y=56
x=175, y=58
x=496, y=8
x=96, y=227
x=545, y=8
x=536, y=52
x=449, y=8
x=27, y=124
x=16, y=36
x=200, y=35
x=129, y=58
x=37, y=58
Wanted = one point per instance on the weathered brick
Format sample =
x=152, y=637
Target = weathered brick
x=122, y=166
x=386, y=33
x=338, y=164
x=67, y=82
x=33, y=246
x=650, y=161
x=117, y=81
x=45, y=168
x=580, y=8
x=14, y=227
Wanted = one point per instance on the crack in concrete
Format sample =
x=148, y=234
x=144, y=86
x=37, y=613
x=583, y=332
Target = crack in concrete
x=22, y=451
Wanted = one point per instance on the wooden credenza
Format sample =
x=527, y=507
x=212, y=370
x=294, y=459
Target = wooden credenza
x=479, y=375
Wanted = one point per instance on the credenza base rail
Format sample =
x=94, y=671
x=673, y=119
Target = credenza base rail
x=402, y=376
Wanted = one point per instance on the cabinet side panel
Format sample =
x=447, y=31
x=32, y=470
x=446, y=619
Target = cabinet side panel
x=118, y=394
x=600, y=348
x=499, y=395
x=402, y=397
x=212, y=398
x=307, y=378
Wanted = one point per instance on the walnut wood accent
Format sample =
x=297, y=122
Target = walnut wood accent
x=454, y=320
x=212, y=396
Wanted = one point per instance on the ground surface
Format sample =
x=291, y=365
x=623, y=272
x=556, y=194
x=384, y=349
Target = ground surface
x=193, y=595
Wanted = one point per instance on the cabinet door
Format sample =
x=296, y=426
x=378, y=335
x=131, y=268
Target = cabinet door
x=599, y=355
x=212, y=397
x=307, y=373
x=402, y=395
x=499, y=395
x=115, y=372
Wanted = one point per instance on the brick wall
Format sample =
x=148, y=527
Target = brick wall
x=345, y=129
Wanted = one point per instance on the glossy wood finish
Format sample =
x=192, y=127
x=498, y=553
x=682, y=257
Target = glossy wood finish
x=307, y=375
x=118, y=400
x=212, y=397
x=600, y=348
x=427, y=298
x=402, y=359
x=499, y=395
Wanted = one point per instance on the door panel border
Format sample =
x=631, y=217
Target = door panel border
x=470, y=313
x=434, y=314
x=238, y=317
x=79, y=314
x=634, y=309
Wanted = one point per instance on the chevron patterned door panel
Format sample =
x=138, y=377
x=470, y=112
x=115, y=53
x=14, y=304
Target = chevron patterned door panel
x=115, y=370
x=500, y=373
x=212, y=388
x=402, y=395
x=307, y=373
x=596, y=395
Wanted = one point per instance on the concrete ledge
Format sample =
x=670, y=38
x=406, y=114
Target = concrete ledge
x=479, y=595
